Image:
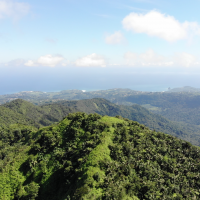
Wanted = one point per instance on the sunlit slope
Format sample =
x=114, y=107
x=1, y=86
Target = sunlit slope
x=182, y=105
x=136, y=113
x=95, y=157
x=23, y=112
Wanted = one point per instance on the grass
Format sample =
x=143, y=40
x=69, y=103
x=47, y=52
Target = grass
x=100, y=154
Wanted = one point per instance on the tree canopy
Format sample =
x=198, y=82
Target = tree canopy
x=97, y=157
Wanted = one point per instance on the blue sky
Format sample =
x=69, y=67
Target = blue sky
x=84, y=44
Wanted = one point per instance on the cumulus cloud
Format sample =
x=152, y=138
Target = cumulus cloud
x=185, y=59
x=115, y=38
x=92, y=60
x=150, y=58
x=160, y=25
x=30, y=63
x=47, y=60
x=13, y=9
x=131, y=56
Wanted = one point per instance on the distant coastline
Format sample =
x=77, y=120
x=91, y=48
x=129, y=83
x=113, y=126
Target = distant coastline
x=143, y=88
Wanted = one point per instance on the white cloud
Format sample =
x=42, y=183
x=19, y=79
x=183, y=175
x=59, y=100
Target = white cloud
x=92, y=60
x=115, y=38
x=160, y=25
x=47, y=60
x=30, y=63
x=150, y=58
x=13, y=9
x=185, y=59
x=130, y=56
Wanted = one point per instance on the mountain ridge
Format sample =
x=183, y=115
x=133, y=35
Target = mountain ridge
x=39, y=116
x=99, y=157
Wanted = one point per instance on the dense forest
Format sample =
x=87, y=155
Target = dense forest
x=26, y=113
x=178, y=104
x=181, y=107
x=96, y=157
x=95, y=149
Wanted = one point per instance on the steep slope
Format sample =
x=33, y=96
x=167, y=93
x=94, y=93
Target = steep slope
x=26, y=109
x=182, y=105
x=20, y=111
x=94, y=157
x=23, y=112
x=136, y=113
x=9, y=116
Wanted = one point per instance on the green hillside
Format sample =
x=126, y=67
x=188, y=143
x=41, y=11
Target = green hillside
x=23, y=112
x=176, y=106
x=136, y=113
x=9, y=116
x=94, y=157
x=179, y=104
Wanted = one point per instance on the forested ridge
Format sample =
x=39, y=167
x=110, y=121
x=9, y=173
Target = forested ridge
x=59, y=150
x=97, y=157
x=181, y=107
x=26, y=113
x=179, y=104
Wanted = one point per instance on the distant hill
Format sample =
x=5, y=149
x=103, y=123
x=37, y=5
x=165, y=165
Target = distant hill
x=26, y=113
x=117, y=95
x=139, y=114
x=180, y=105
x=23, y=112
x=184, y=89
x=93, y=157
x=47, y=97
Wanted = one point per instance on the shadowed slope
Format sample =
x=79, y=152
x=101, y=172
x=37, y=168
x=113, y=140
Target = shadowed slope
x=93, y=157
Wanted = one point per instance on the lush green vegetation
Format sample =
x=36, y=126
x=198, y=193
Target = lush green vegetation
x=26, y=113
x=179, y=104
x=47, y=97
x=23, y=112
x=181, y=107
x=94, y=157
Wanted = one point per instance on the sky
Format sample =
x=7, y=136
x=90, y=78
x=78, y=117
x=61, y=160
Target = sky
x=83, y=44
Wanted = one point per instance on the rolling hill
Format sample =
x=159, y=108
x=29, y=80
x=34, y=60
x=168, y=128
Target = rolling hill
x=93, y=157
x=26, y=113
